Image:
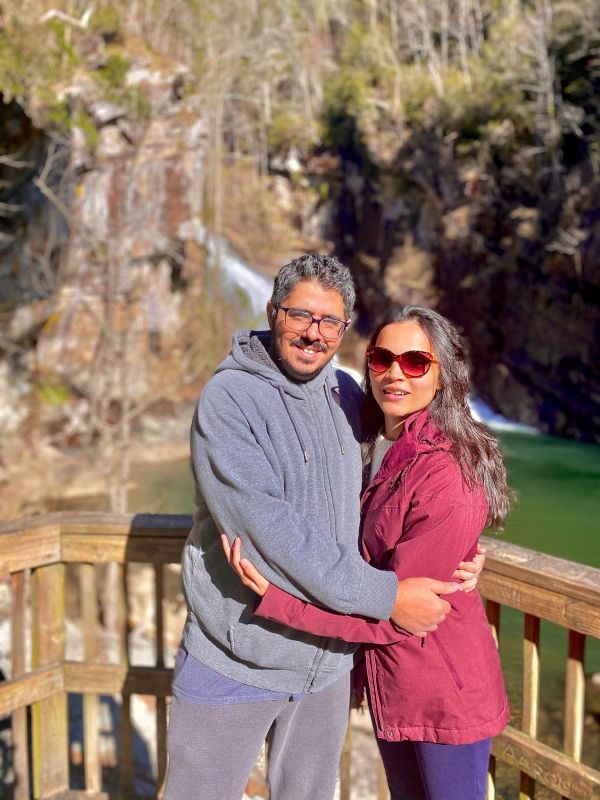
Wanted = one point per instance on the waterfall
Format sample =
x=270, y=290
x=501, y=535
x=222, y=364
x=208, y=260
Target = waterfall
x=236, y=274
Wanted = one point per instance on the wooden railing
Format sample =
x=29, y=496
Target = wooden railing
x=37, y=556
x=567, y=594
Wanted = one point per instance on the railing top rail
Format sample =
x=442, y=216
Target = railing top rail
x=70, y=536
x=570, y=578
x=91, y=537
x=109, y=522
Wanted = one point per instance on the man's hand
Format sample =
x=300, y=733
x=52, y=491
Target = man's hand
x=468, y=571
x=418, y=609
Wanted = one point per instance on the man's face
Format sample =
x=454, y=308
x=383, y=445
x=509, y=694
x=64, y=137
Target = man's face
x=302, y=355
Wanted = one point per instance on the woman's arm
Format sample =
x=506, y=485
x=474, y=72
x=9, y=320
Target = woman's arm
x=280, y=606
x=437, y=534
x=428, y=535
x=277, y=605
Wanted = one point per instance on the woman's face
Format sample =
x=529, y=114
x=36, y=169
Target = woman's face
x=397, y=395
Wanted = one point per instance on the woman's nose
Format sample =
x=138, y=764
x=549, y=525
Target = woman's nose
x=395, y=371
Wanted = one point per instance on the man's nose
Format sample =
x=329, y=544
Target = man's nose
x=312, y=332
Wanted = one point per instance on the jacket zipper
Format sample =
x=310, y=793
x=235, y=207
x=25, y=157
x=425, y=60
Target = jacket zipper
x=331, y=521
x=376, y=701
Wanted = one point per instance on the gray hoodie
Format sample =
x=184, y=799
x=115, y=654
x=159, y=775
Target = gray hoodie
x=277, y=463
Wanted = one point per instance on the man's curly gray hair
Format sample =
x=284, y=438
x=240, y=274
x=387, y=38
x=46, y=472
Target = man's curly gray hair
x=328, y=271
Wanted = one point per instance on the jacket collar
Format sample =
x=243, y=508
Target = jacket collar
x=419, y=435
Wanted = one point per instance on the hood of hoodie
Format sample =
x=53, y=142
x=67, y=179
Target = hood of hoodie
x=250, y=353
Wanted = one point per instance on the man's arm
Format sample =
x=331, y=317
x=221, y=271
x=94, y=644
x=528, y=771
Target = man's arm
x=237, y=477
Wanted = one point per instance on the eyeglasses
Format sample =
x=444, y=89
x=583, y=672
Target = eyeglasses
x=297, y=319
x=413, y=363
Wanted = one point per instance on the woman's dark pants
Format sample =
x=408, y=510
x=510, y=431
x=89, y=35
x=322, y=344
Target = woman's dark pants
x=430, y=771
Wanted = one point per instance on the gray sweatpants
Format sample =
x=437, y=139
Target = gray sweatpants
x=212, y=749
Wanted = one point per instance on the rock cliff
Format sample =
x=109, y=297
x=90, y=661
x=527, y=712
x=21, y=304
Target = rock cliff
x=511, y=255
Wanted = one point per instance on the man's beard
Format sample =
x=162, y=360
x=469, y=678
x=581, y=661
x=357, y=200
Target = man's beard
x=288, y=369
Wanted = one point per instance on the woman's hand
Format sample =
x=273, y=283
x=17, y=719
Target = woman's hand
x=468, y=571
x=246, y=572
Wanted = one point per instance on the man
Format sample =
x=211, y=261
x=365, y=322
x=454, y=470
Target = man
x=276, y=458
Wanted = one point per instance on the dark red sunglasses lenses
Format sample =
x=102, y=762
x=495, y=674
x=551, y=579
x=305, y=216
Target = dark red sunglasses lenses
x=413, y=363
x=380, y=359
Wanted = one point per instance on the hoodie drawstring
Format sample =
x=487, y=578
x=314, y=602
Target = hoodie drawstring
x=335, y=424
x=291, y=416
x=331, y=411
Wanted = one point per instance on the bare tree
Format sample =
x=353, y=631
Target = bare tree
x=544, y=86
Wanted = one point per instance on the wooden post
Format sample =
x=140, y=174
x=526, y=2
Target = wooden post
x=575, y=696
x=531, y=686
x=161, y=704
x=91, y=737
x=19, y=715
x=492, y=609
x=49, y=717
x=126, y=755
x=382, y=785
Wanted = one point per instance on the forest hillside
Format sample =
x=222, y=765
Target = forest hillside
x=447, y=150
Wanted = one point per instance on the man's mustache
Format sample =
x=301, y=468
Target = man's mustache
x=302, y=342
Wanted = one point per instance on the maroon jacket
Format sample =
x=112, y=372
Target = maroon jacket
x=419, y=518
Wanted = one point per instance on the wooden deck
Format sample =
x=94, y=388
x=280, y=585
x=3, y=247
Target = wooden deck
x=35, y=555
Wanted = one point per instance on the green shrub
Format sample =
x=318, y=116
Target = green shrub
x=63, y=45
x=288, y=129
x=138, y=103
x=106, y=22
x=112, y=74
x=59, y=115
x=341, y=130
x=51, y=391
x=90, y=131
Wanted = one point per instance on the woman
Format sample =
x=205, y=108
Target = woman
x=436, y=479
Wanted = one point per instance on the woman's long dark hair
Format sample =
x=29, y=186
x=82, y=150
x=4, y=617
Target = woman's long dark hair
x=474, y=447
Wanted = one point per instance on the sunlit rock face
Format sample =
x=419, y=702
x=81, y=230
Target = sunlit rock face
x=510, y=256
x=118, y=260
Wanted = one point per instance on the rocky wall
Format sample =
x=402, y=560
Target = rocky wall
x=118, y=225
x=509, y=254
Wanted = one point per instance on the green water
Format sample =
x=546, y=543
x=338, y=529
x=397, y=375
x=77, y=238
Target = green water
x=558, y=496
x=557, y=511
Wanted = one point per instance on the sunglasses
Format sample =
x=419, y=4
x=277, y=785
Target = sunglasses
x=413, y=363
